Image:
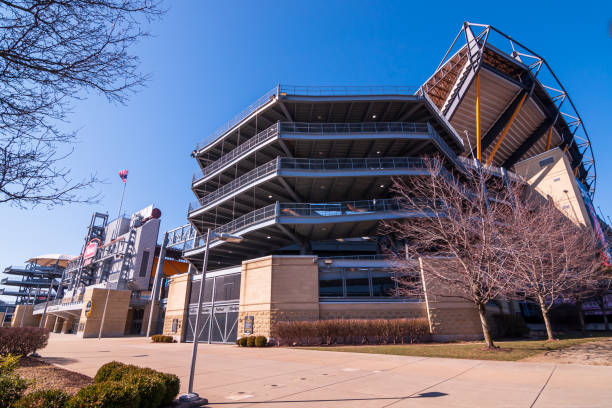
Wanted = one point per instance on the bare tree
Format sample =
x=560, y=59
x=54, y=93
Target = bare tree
x=460, y=218
x=555, y=257
x=51, y=54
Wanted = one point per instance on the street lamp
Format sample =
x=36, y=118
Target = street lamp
x=236, y=239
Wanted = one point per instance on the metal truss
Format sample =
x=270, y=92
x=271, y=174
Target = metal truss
x=481, y=36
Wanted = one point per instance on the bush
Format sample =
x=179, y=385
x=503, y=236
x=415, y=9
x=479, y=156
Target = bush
x=106, y=394
x=44, y=399
x=116, y=371
x=242, y=342
x=351, y=331
x=11, y=385
x=160, y=338
x=250, y=341
x=261, y=341
x=150, y=388
x=22, y=340
x=510, y=325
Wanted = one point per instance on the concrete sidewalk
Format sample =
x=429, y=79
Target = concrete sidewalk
x=279, y=377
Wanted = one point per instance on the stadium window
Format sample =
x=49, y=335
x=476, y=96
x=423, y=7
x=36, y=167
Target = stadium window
x=330, y=284
x=382, y=283
x=357, y=283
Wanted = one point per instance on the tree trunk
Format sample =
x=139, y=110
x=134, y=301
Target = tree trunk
x=485, y=326
x=581, y=317
x=544, y=311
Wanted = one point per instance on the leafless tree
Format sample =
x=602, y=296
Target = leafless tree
x=460, y=218
x=51, y=54
x=555, y=257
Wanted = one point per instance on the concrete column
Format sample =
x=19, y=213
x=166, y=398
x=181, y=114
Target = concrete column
x=24, y=313
x=114, y=318
x=176, y=306
x=67, y=324
x=59, y=322
x=49, y=322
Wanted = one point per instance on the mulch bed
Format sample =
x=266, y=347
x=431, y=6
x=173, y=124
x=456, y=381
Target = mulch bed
x=44, y=375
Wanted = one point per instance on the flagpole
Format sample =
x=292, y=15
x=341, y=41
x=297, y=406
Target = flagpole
x=116, y=231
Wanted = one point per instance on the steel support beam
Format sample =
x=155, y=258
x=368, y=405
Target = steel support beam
x=529, y=142
x=506, y=128
x=478, y=139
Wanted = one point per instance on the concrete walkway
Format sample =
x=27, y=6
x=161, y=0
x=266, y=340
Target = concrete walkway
x=279, y=377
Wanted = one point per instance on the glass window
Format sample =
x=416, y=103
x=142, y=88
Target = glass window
x=382, y=283
x=357, y=282
x=330, y=284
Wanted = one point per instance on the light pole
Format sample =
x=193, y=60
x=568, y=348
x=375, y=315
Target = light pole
x=158, y=274
x=192, y=396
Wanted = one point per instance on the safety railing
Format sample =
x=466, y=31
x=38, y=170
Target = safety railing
x=58, y=304
x=239, y=117
x=287, y=163
x=181, y=237
x=319, y=210
x=346, y=90
x=497, y=171
x=357, y=128
x=319, y=128
x=256, y=140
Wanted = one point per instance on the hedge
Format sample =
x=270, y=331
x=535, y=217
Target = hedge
x=252, y=341
x=510, y=326
x=351, y=331
x=22, y=341
x=160, y=338
x=164, y=385
x=106, y=394
x=44, y=399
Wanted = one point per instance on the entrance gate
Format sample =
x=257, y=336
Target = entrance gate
x=218, y=324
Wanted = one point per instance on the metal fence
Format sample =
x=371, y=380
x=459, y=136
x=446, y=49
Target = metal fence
x=287, y=163
x=319, y=210
x=346, y=90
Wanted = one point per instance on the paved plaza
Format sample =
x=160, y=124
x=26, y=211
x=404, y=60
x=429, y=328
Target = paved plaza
x=280, y=377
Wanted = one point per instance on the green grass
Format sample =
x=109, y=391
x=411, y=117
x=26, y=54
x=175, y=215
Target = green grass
x=509, y=350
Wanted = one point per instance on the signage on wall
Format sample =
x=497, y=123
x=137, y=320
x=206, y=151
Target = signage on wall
x=88, y=309
x=248, y=324
x=90, y=251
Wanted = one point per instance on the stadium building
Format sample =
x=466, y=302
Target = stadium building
x=303, y=176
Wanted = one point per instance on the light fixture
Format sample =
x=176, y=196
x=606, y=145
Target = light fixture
x=382, y=185
x=319, y=117
x=323, y=228
x=322, y=187
x=328, y=261
x=268, y=237
x=269, y=195
x=374, y=116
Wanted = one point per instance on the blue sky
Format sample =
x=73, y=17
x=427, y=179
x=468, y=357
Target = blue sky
x=209, y=60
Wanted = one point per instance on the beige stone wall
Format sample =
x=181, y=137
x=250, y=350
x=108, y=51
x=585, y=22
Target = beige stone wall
x=29, y=319
x=176, y=306
x=276, y=288
x=49, y=322
x=554, y=180
x=115, y=317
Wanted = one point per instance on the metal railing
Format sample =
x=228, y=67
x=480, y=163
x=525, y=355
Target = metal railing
x=273, y=211
x=240, y=116
x=346, y=90
x=284, y=90
x=54, y=305
x=357, y=128
x=325, y=128
x=256, y=140
x=498, y=171
x=181, y=237
x=287, y=163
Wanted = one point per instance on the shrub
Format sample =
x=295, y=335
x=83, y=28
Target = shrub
x=11, y=389
x=116, y=371
x=351, y=331
x=261, y=341
x=22, y=340
x=160, y=338
x=510, y=325
x=250, y=342
x=106, y=394
x=150, y=388
x=43, y=399
x=242, y=342
x=11, y=385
